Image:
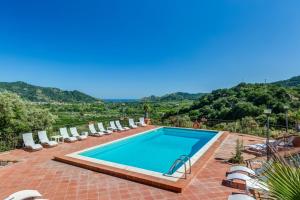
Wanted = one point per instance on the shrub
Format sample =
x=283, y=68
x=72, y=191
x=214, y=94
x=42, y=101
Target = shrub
x=283, y=177
x=182, y=121
x=237, y=157
x=17, y=116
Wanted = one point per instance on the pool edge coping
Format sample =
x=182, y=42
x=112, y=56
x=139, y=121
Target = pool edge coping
x=173, y=177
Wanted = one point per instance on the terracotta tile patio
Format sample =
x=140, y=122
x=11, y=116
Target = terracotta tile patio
x=55, y=180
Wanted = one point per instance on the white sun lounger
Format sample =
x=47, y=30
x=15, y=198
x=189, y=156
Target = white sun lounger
x=240, y=197
x=65, y=135
x=24, y=195
x=251, y=183
x=142, y=122
x=241, y=169
x=255, y=184
x=120, y=126
x=238, y=176
x=94, y=132
x=131, y=123
x=75, y=133
x=102, y=129
x=29, y=142
x=255, y=172
x=113, y=126
x=263, y=146
x=45, y=140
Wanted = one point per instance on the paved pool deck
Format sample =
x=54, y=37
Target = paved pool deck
x=56, y=180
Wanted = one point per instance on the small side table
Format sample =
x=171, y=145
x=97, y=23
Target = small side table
x=58, y=138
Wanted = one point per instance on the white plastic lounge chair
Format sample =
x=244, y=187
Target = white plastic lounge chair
x=263, y=147
x=238, y=176
x=241, y=169
x=29, y=142
x=102, y=129
x=120, y=126
x=142, y=122
x=65, y=135
x=131, y=123
x=240, y=197
x=94, y=132
x=75, y=133
x=251, y=183
x=45, y=140
x=113, y=126
x=24, y=194
x=255, y=184
x=255, y=172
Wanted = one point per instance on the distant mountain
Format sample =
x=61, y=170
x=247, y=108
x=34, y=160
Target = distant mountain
x=120, y=100
x=45, y=94
x=292, y=82
x=174, y=97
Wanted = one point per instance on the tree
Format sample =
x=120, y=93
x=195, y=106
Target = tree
x=17, y=116
x=146, y=108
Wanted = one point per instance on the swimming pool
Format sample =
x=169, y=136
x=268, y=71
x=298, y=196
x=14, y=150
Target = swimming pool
x=152, y=152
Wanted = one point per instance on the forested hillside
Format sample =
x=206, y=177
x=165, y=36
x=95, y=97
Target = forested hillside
x=45, y=94
x=292, y=82
x=178, y=96
x=245, y=100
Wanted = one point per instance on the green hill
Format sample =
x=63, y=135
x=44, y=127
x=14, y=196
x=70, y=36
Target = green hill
x=292, y=82
x=178, y=96
x=45, y=94
x=244, y=100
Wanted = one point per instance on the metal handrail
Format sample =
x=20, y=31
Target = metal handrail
x=182, y=159
x=190, y=163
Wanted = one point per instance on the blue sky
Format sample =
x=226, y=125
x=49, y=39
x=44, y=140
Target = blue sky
x=135, y=48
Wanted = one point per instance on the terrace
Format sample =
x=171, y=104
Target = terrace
x=57, y=180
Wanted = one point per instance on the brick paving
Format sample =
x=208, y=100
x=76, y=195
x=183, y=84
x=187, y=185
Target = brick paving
x=55, y=180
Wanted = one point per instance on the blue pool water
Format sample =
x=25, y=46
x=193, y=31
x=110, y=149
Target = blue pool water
x=155, y=150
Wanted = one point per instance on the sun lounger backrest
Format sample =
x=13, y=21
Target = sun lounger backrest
x=43, y=136
x=142, y=120
x=131, y=122
x=74, y=131
x=118, y=124
x=24, y=194
x=112, y=125
x=64, y=132
x=101, y=127
x=28, y=140
x=92, y=128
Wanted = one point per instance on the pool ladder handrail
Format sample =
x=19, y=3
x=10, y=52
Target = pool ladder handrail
x=182, y=159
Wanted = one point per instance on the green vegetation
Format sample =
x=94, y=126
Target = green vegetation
x=237, y=109
x=147, y=109
x=45, y=94
x=292, y=82
x=18, y=116
x=245, y=103
x=238, y=157
x=82, y=113
x=283, y=178
x=178, y=96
